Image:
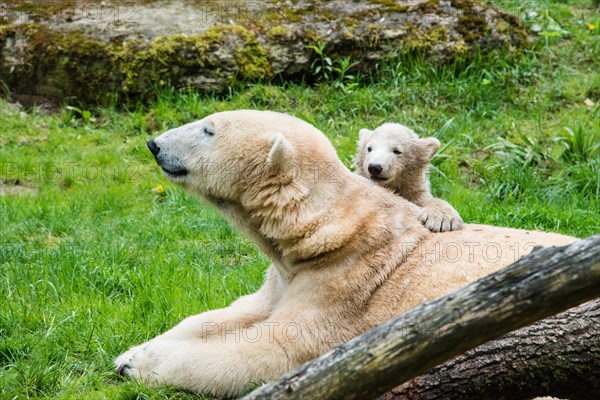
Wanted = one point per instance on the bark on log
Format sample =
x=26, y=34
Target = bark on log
x=557, y=356
x=537, y=286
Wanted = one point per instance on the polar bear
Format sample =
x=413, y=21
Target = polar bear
x=394, y=157
x=346, y=254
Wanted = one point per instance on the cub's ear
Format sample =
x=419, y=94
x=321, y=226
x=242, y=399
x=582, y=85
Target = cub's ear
x=429, y=146
x=281, y=152
x=363, y=133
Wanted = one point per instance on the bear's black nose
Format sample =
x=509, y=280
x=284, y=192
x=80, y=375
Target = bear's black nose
x=153, y=147
x=375, y=169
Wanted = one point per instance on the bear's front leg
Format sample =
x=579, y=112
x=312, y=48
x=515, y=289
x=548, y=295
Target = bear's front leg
x=439, y=216
x=221, y=365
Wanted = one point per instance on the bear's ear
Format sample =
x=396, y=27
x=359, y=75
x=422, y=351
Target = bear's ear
x=429, y=146
x=363, y=133
x=281, y=152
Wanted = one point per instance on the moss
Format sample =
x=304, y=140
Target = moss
x=5, y=32
x=165, y=60
x=252, y=59
x=423, y=41
x=471, y=24
x=279, y=31
x=78, y=69
x=373, y=35
x=429, y=6
x=462, y=4
x=36, y=9
x=348, y=35
x=291, y=15
x=174, y=59
x=472, y=27
x=390, y=5
x=502, y=26
x=64, y=65
x=304, y=11
x=512, y=27
x=460, y=50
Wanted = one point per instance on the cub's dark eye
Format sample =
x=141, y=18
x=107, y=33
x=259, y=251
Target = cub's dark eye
x=369, y=149
x=396, y=151
x=208, y=131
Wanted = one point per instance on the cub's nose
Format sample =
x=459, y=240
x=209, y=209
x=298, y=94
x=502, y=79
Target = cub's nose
x=153, y=147
x=375, y=169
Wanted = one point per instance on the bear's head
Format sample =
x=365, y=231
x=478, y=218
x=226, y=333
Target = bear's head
x=247, y=157
x=279, y=180
x=392, y=153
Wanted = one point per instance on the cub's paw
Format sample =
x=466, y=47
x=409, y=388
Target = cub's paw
x=439, y=216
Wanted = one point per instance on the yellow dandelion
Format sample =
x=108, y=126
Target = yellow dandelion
x=591, y=27
x=159, y=189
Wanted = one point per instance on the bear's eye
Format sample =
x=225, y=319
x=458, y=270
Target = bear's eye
x=369, y=149
x=396, y=151
x=207, y=131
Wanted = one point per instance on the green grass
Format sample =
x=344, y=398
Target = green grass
x=94, y=259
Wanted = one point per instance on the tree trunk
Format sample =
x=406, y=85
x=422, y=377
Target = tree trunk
x=537, y=286
x=558, y=356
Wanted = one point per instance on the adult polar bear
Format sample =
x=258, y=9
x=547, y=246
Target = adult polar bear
x=346, y=254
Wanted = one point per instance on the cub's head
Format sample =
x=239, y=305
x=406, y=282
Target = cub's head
x=392, y=152
x=244, y=156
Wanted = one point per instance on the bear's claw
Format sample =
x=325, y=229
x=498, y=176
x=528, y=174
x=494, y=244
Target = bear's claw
x=439, y=216
x=122, y=369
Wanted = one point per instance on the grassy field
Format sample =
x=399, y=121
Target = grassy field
x=95, y=256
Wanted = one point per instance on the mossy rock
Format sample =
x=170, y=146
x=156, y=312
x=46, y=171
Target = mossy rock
x=77, y=68
x=68, y=53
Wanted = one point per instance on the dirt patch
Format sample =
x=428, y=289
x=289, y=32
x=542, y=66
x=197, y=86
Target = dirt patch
x=15, y=188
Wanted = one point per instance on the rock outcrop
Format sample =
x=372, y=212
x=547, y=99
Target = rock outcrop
x=87, y=52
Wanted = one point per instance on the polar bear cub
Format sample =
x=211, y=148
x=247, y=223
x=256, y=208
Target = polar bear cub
x=393, y=156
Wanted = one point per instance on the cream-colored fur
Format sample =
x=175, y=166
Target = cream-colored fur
x=346, y=254
x=394, y=157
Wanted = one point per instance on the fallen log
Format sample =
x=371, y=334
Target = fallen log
x=537, y=286
x=558, y=356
